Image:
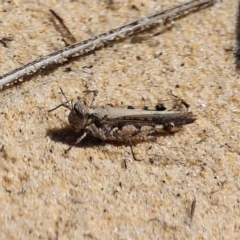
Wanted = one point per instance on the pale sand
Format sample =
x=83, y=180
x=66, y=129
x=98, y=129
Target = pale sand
x=88, y=193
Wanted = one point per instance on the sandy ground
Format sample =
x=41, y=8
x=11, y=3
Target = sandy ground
x=88, y=193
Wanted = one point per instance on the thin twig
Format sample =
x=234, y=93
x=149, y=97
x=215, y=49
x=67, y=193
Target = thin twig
x=59, y=24
x=193, y=207
x=4, y=41
x=94, y=43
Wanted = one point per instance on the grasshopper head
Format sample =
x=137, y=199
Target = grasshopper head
x=78, y=117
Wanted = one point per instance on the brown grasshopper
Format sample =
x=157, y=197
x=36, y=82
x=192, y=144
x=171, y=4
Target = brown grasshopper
x=124, y=123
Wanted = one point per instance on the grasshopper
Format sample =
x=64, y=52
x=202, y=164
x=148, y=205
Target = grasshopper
x=124, y=123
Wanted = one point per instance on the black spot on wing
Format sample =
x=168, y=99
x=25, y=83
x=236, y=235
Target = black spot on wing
x=137, y=126
x=130, y=107
x=160, y=107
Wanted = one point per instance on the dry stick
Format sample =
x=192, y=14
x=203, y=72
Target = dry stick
x=4, y=41
x=100, y=40
x=60, y=26
x=193, y=207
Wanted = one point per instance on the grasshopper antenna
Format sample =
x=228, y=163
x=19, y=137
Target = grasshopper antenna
x=68, y=104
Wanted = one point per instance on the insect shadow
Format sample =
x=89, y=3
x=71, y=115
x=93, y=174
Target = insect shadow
x=69, y=136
